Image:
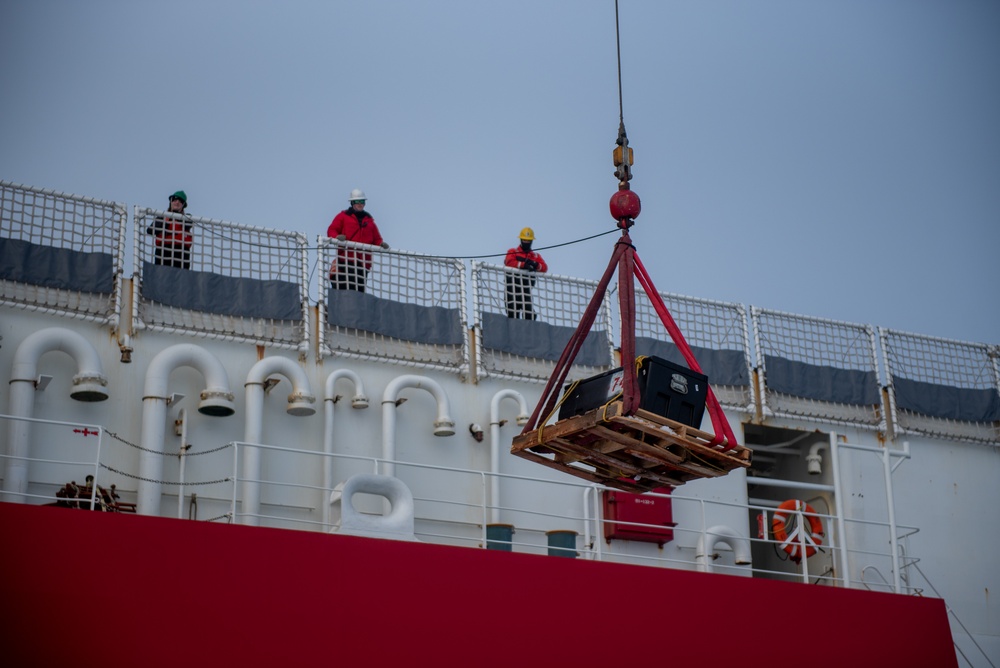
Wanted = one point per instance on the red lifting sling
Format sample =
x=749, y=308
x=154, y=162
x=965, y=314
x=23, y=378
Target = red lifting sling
x=628, y=264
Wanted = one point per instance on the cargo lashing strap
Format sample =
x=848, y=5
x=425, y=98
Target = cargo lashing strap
x=572, y=388
x=628, y=264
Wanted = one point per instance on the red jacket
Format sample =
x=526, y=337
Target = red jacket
x=517, y=257
x=363, y=231
x=172, y=232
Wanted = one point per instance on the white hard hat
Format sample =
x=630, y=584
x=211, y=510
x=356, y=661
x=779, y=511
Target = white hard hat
x=357, y=194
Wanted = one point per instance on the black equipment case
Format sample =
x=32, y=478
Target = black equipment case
x=666, y=389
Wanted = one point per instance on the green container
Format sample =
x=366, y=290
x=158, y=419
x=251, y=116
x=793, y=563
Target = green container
x=562, y=543
x=499, y=537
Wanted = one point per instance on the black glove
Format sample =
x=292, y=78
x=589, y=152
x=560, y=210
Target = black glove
x=530, y=265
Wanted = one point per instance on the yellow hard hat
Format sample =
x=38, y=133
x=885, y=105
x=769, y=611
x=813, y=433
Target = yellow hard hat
x=527, y=234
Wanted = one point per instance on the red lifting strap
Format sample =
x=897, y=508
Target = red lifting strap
x=719, y=421
x=628, y=264
x=626, y=304
x=550, y=395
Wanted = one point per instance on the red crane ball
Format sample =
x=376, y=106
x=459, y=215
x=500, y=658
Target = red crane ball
x=625, y=204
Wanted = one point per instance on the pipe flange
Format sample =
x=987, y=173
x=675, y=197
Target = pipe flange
x=217, y=403
x=88, y=387
x=90, y=379
x=301, y=397
x=444, y=427
x=216, y=394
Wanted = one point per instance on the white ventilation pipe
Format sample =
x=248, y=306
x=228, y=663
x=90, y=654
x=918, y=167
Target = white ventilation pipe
x=495, y=424
x=443, y=425
x=711, y=537
x=181, y=423
x=89, y=384
x=216, y=400
x=300, y=404
x=814, y=462
x=330, y=399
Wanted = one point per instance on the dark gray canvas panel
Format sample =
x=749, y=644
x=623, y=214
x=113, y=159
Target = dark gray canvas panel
x=531, y=338
x=407, y=322
x=723, y=367
x=944, y=401
x=51, y=267
x=225, y=295
x=822, y=383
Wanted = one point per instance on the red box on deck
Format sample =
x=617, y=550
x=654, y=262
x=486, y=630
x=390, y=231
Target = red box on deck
x=636, y=509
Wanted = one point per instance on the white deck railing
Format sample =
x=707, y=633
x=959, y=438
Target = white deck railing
x=453, y=506
x=797, y=366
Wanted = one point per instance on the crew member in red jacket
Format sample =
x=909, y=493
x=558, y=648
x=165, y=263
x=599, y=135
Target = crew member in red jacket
x=519, y=286
x=355, y=224
x=172, y=239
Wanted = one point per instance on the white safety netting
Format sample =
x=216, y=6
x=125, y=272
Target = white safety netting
x=941, y=387
x=65, y=254
x=220, y=280
x=523, y=321
x=390, y=305
x=817, y=368
x=61, y=253
x=719, y=337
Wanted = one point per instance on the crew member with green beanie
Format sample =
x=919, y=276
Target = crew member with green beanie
x=172, y=239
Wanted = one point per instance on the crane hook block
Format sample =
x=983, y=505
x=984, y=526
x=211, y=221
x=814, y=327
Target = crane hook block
x=623, y=163
x=623, y=156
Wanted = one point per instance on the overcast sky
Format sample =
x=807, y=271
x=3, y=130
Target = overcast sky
x=837, y=159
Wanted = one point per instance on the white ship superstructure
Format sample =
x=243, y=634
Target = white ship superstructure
x=244, y=391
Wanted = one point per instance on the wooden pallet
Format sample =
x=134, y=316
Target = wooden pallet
x=636, y=453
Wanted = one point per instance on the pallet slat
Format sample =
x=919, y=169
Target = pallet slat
x=635, y=453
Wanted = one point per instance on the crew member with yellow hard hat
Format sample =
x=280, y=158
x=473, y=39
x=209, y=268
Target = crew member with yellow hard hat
x=518, y=284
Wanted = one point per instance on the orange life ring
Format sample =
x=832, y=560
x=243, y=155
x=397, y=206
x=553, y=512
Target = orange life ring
x=791, y=543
